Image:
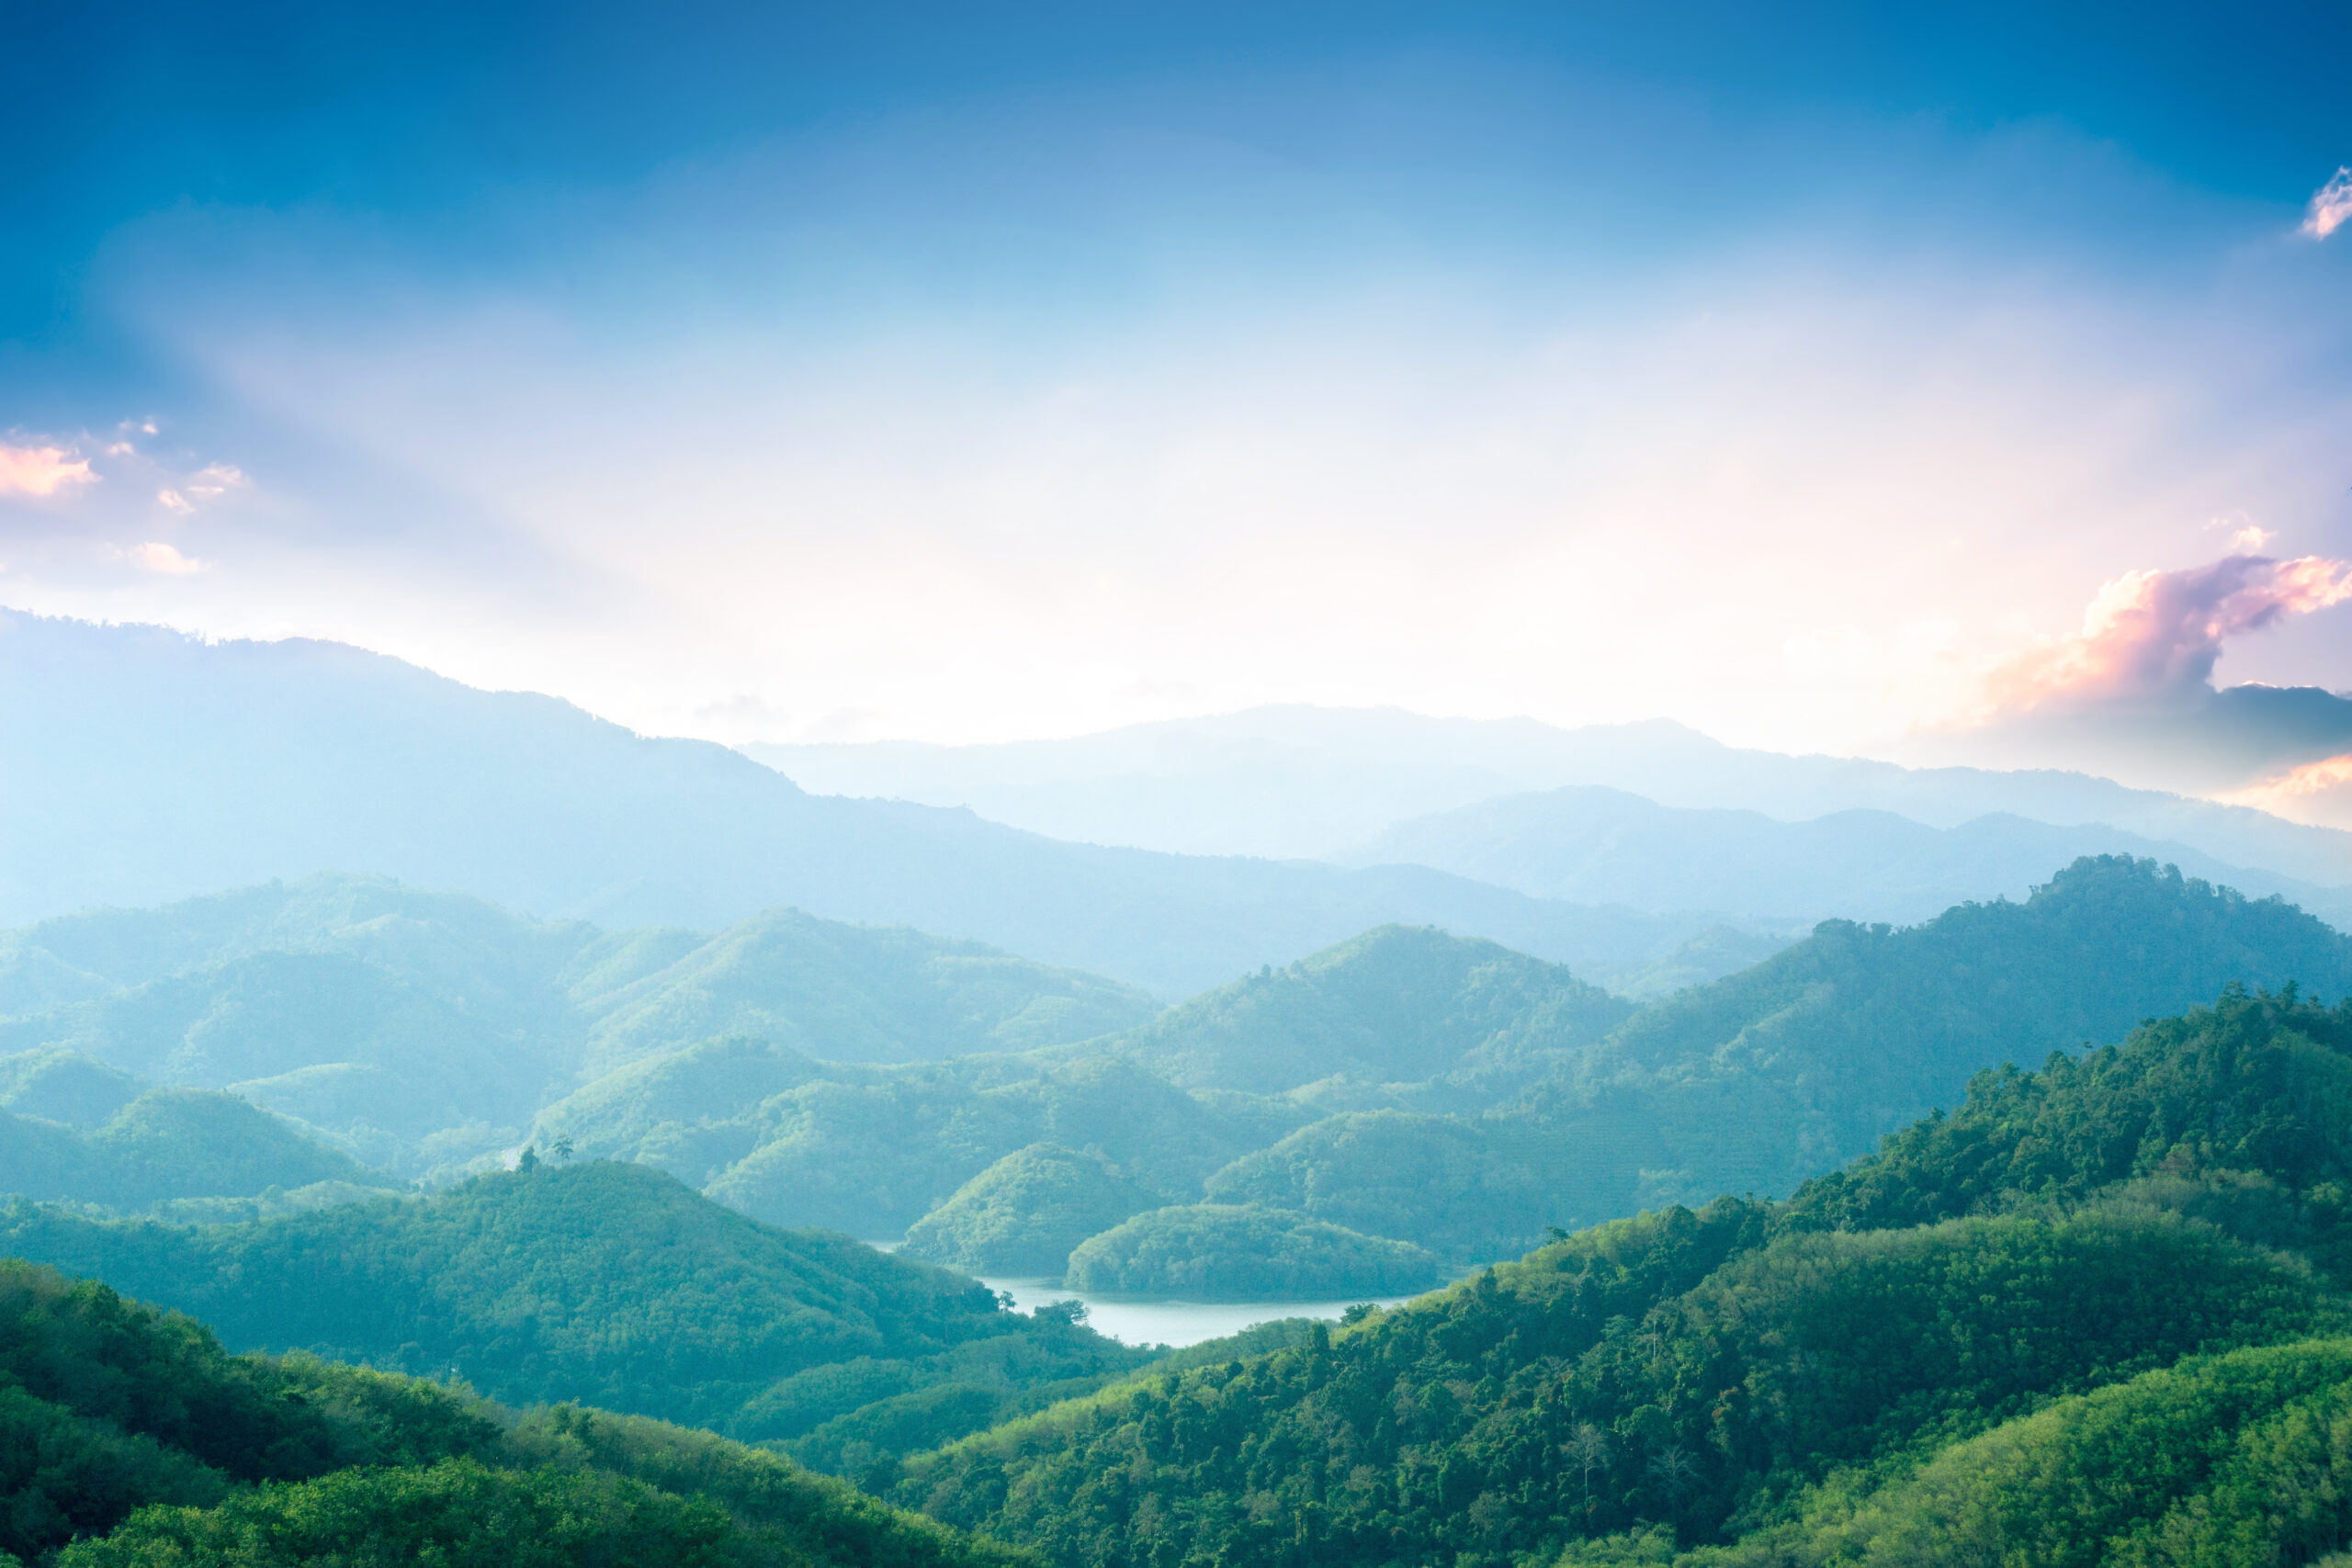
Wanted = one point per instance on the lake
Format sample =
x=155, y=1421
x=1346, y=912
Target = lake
x=1134, y=1320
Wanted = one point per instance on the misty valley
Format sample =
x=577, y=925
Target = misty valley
x=351, y=1215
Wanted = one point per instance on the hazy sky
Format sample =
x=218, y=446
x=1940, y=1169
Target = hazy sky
x=1808, y=374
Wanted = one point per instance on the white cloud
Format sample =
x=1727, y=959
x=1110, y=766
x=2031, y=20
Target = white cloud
x=208, y=483
x=2330, y=206
x=160, y=558
x=41, y=471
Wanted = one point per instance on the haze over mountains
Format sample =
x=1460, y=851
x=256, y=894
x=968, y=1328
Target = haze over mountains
x=146, y=765
x=1321, y=783
x=142, y=766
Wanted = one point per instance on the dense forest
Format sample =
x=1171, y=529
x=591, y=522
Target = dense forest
x=2106, y=1326
x=128, y=1436
x=610, y=1285
x=1408, y=1088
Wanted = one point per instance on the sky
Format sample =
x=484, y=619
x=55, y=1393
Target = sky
x=1957, y=384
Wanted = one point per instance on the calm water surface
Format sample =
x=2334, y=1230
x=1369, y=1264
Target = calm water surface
x=1137, y=1320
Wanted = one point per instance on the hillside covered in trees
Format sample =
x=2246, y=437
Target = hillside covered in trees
x=2095, y=1314
x=603, y=1284
x=130, y=1437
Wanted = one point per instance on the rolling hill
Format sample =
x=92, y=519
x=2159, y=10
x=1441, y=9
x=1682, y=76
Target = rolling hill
x=1758, y=1082
x=421, y=1030
x=134, y=1440
x=599, y=1284
x=2094, y=1350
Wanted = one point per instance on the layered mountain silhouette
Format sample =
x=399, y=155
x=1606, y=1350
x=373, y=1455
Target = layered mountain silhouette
x=142, y=764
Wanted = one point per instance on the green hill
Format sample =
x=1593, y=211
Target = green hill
x=1760, y=1081
x=1218, y=1253
x=1776, y=1379
x=424, y=1031
x=1859, y=1030
x=128, y=1436
x=604, y=1283
x=1022, y=1215
x=60, y=1085
x=871, y=1150
x=1397, y=1005
x=856, y=994
x=165, y=1144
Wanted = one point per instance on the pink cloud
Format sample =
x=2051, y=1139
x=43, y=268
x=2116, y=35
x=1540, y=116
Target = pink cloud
x=2157, y=634
x=40, y=470
x=158, y=557
x=2330, y=206
x=2318, y=793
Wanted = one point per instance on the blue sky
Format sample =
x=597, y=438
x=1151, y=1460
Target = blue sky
x=773, y=372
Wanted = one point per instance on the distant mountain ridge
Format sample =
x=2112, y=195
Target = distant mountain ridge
x=1586, y=843
x=142, y=766
x=1317, y=783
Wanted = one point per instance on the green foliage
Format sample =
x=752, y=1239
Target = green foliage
x=1469, y=1188
x=1762, y=1080
x=1792, y=1381
x=604, y=1283
x=1397, y=1005
x=61, y=1085
x=1023, y=1215
x=857, y=994
x=1220, y=1252
x=421, y=1031
x=167, y=1143
x=2254, y=1092
x=107, y=1406
x=871, y=1150
x=1668, y=1370
x=2240, y=1461
x=115, y=1417
x=459, y=1512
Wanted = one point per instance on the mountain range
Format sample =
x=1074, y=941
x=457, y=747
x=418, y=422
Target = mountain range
x=1297, y=782
x=143, y=765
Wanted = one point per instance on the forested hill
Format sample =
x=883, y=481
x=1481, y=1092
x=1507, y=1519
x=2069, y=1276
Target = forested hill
x=421, y=1030
x=2119, y=1323
x=1758, y=1082
x=131, y=1439
x=609, y=1284
x=1398, y=1005
x=1808, y=1057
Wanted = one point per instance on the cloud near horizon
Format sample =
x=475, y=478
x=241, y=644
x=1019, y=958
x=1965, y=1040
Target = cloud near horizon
x=2317, y=792
x=41, y=471
x=2155, y=635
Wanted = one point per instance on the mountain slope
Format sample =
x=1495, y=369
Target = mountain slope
x=1595, y=845
x=165, y=1144
x=1757, y=1082
x=421, y=1030
x=604, y=1283
x=856, y=994
x=1752, y=1375
x=133, y=1439
x=142, y=765
x=1393, y=1006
